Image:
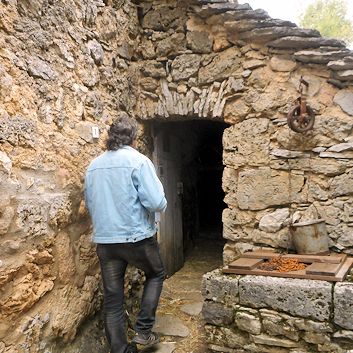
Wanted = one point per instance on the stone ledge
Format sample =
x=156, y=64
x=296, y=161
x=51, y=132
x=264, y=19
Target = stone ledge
x=343, y=305
x=220, y=288
x=305, y=298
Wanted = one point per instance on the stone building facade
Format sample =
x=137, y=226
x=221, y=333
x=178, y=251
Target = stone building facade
x=69, y=66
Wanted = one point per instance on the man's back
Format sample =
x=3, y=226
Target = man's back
x=122, y=194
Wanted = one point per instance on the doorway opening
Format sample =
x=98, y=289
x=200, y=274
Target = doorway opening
x=188, y=159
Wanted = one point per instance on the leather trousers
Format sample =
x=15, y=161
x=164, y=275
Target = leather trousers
x=114, y=259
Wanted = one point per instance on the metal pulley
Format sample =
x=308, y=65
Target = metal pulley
x=301, y=118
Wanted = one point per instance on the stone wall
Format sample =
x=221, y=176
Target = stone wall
x=223, y=61
x=65, y=66
x=69, y=66
x=276, y=315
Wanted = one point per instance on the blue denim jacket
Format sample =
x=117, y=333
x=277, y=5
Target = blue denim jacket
x=122, y=194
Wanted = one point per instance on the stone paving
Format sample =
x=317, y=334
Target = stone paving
x=179, y=320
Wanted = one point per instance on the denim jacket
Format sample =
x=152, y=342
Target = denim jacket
x=122, y=194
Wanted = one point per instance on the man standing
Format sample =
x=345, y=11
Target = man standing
x=122, y=194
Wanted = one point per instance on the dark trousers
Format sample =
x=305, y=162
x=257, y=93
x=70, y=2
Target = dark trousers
x=114, y=259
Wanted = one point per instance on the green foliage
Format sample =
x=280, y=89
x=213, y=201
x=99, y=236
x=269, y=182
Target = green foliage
x=329, y=17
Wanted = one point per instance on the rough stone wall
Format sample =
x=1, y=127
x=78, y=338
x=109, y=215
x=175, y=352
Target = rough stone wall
x=246, y=314
x=65, y=66
x=218, y=60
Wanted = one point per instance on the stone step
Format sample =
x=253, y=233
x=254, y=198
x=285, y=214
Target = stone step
x=169, y=325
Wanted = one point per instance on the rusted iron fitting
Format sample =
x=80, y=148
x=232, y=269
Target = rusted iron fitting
x=301, y=118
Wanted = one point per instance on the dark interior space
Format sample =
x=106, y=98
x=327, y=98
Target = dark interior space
x=198, y=155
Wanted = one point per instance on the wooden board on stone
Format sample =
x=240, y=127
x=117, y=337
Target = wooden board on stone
x=321, y=268
x=333, y=258
x=246, y=264
x=333, y=271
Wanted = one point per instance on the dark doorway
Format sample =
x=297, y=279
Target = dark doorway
x=193, y=151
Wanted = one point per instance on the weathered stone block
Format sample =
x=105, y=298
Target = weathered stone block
x=247, y=143
x=248, y=322
x=164, y=17
x=184, y=66
x=263, y=187
x=274, y=341
x=199, y=42
x=153, y=69
x=343, y=305
x=5, y=163
x=274, y=221
x=173, y=44
x=316, y=338
x=223, y=65
x=277, y=324
x=220, y=288
x=344, y=98
x=223, y=336
x=84, y=130
x=217, y=314
x=39, y=68
x=282, y=64
x=342, y=184
x=18, y=131
x=305, y=298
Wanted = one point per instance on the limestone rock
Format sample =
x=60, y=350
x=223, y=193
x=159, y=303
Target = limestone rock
x=319, y=57
x=125, y=50
x=288, y=154
x=274, y=341
x=246, y=143
x=199, y=42
x=340, y=65
x=243, y=25
x=5, y=163
x=172, y=45
x=217, y=8
x=224, y=336
x=343, y=305
x=247, y=322
x=342, y=185
x=346, y=75
x=185, y=66
x=316, y=338
x=222, y=66
x=18, y=131
x=219, y=288
x=342, y=147
x=274, y=221
x=262, y=188
x=153, y=69
x=309, y=41
x=344, y=98
x=235, y=111
x=305, y=298
x=268, y=34
x=32, y=217
x=277, y=324
x=66, y=315
x=282, y=64
x=7, y=214
x=163, y=17
x=96, y=51
x=84, y=130
x=217, y=314
x=39, y=68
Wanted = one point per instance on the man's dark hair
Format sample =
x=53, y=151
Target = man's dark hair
x=122, y=132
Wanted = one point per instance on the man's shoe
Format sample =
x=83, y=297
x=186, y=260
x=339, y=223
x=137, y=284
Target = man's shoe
x=146, y=339
x=131, y=348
